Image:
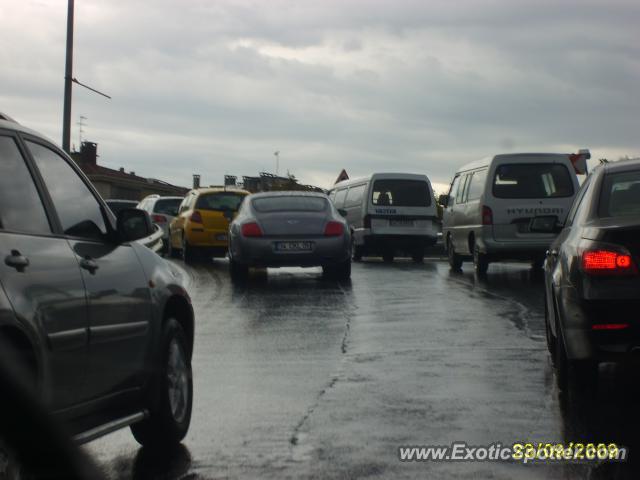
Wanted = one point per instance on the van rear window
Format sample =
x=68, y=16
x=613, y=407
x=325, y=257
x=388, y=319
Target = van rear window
x=401, y=193
x=532, y=180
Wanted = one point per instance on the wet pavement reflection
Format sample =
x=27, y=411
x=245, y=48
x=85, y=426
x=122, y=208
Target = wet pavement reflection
x=299, y=376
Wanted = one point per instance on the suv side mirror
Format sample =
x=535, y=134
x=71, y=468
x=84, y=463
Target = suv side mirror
x=342, y=212
x=443, y=200
x=545, y=224
x=133, y=224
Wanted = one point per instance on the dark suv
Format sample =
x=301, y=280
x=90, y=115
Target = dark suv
x=98, y=324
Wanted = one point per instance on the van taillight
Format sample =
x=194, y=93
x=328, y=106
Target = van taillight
x=607, y=262
x=367, y=221
x=251, y=229
x=333, y=229
x=196, y=217
x=487, y=216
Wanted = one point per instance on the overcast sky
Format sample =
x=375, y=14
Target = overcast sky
x=217, y=86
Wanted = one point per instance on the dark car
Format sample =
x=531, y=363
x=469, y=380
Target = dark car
x=592, y=284
x=99, y=325
x=277, y=229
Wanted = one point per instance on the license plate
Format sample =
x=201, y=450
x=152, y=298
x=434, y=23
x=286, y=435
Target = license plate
x=294, y=246
x=221, y=237
x=401, y=223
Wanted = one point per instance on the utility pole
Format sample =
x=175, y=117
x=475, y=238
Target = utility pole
x=68, y=76
x=68, y=80
x=277, y=154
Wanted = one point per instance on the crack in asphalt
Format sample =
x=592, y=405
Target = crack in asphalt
x=294, y=439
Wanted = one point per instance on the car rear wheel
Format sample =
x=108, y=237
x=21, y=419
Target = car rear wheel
x=551, y=339
x=172, y=252
x=188, y=252
x=171, y=393
x=578, y=379
x=480, y=261
x=238, y=271
x=341, y=271
x=357, y=251
x=455, y=260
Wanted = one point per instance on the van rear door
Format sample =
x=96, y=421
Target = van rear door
x=521, y=191
x=402, y=206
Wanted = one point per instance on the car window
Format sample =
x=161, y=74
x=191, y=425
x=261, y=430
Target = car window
x=79, y=211
x=167, y=206
x=340, y=198
x=454, y=190
x=476, y=185
x=401, y=193
x=532, y=180
x=290, y=203
x=219, y=201
x=354, y=196
x=461, y=189
x=620, y=195
x=21, y=207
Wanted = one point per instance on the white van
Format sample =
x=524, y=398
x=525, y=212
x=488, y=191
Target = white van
x=388, y=213
x=491, y=204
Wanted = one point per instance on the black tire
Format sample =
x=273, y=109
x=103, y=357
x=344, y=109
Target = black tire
x=480, y=261
x=418, y=256
x=578, y=380
x=171, y=393
x=172, y=252
x=551, y=339
x=455, y=260
x=387, y=257
x=238, y=271
x=188, y=252
x=357, y=251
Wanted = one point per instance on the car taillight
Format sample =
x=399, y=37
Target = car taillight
x=333, y=229
x=367, y=221
x=196, y=217
x=602, y=261
x=251, y=230
x=609, y=326
x=158, y=218
x=487, y=216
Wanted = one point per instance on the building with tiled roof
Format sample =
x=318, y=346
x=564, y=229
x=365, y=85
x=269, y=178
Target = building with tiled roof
x=120, y=184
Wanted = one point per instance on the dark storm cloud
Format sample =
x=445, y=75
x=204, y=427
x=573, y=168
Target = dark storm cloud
x=216, y=87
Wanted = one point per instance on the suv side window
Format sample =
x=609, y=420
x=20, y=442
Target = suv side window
x=462, y=189
x=79, y=211
x=476, y=184
x=21, y=207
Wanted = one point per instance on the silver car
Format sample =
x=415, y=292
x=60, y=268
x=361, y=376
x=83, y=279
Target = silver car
x=162, y=211
x=277, y=229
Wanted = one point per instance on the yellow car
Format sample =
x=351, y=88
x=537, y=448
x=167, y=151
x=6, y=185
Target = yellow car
x=202, y=223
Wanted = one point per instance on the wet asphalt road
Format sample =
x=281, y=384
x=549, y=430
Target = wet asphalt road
x=300, y=377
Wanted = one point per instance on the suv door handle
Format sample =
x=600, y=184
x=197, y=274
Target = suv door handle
x=89, y=264
x=17, y=261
